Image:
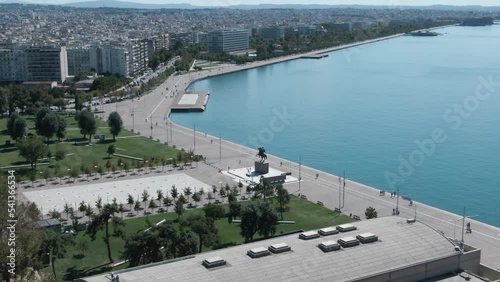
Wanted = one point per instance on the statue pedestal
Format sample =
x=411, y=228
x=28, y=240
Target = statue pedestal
x=262, y=168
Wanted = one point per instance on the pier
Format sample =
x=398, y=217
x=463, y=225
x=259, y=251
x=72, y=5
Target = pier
x=191, y=102
x=314, y=56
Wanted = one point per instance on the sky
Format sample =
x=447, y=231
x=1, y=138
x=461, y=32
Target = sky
x=332, y=2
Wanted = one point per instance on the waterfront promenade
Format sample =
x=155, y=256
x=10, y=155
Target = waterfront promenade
x=149, y=116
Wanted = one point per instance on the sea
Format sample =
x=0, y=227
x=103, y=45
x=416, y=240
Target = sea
x=418, y=113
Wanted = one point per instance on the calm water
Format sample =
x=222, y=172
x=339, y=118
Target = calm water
x=363, y=109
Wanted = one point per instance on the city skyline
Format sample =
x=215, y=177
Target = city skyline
x=389, y=3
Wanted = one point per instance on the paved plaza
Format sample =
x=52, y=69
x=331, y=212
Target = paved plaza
x=51, y=199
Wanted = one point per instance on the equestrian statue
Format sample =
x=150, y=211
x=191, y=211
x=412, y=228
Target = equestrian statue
x=262, y=154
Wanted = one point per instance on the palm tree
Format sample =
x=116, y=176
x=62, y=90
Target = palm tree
x=159, y=196
x=130, y=201
x=101, y=221
x=187, y=192
x=145, y=197
x=98, y=203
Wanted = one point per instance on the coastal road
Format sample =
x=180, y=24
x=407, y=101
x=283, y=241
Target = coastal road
x=149, y=116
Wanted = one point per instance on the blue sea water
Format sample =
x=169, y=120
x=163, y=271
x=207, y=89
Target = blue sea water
x=365, y=109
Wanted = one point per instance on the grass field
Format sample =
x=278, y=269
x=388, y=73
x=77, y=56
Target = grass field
x=307, y=216
x=127, y=143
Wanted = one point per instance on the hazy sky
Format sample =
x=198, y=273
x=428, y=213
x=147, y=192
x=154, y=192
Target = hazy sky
x=333, y=2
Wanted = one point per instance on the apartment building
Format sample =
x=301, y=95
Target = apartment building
x=45, y=63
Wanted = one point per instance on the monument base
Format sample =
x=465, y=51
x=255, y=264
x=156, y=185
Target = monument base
x=261, y=168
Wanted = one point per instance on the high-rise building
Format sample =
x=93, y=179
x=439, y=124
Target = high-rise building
x=138, y=62
x=228, y=41
x=307, y=30
x=33, y=64
x=115, y=60
x=186, y=38
x=272, y=33
x=78, y=60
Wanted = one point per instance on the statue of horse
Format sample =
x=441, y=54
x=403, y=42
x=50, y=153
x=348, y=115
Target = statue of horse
x=262, y=154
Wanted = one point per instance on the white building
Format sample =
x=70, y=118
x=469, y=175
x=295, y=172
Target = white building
x=33, y=64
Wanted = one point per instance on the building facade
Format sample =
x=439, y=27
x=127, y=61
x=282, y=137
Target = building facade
x=228, y=41
x=115, y=60
x=78, y=60
x=34, y=64
x=272, y=33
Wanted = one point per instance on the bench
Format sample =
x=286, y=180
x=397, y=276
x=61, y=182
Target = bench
x=338, y=210
x=382, y=193
x=303, y=197
x=355, y=217
x=320, y=203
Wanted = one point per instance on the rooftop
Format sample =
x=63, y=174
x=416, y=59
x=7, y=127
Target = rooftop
x=399, y=244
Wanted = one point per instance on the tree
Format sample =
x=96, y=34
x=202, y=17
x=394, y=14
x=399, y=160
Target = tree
x=268, y=219
x=39, y=115
x=32, y=148
x=74, y=172
x=159, y=195
x=196, y=197
x=55, y=245
x=54, y=214
x=82, y=245
x=249, y=221
x=187, y=192
x=173, y=192
x=371, y=213
x=145, y=197
x=101, y=221
x=16, y=126
x=48, y=125
x=61, y=128
x=130, y=201
x=214, y=211
x=258, y=217
x=87, y=124
x=283, y=199
x=205, y=229
x=28, y=236
x=115, y=124
x=167, y=201
x=137, y=206
x=108, y=165
x=142, y=248
x=121, y=209
x=98, y=203
x=186, y=244
x=60, y=153
x=152, y=205
x=82, y=207
x=179, y=208
x=234, y=210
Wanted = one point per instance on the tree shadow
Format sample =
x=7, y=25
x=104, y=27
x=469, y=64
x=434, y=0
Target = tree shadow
x=8, y=150
x=73, y=273
x=78, y=256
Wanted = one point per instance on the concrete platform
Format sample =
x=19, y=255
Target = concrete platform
x=50, y=199
x=191, y=102
x=247, y=175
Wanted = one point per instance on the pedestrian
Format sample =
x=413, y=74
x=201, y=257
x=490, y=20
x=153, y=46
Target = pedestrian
x=393, y=211
x=281, y=163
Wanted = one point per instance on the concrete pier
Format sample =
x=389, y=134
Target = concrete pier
x=191, y=102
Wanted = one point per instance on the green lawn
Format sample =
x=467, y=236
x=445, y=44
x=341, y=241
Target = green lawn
x=82, y=154
x=307, y=216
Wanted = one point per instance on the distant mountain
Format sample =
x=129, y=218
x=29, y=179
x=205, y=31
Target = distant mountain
x=129, y=5
x=135, y=5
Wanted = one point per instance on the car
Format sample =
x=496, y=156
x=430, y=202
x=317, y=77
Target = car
x=161, y=210
x=217, y=202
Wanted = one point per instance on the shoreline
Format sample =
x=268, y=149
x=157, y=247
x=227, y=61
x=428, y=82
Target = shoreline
x=237, y=68
x=221, y=156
